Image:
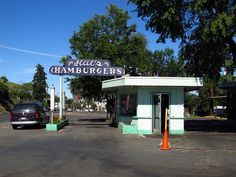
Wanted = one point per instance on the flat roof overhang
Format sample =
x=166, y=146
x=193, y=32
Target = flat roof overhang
x=189, y=83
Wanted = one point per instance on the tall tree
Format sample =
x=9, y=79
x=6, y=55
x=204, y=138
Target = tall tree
x=108, y=37
x=166, y=64
x=103, y=36
x=39, y=84
x=206, y=29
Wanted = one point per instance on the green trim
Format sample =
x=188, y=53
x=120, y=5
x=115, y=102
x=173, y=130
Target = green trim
x=58, y=126
x=127, y=129
x=52, y=127
x=120, y=126
x=176, y=132
x=176, y=118
x=125, y=117
x=132, y=129
x=136, y=117
x=145, y=132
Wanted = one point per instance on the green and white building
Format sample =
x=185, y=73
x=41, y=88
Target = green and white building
x=141, y=102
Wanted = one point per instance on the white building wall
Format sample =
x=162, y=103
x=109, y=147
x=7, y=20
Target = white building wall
x=176, y=126
x=143, y=109
x=145, y=124
x=177, y=103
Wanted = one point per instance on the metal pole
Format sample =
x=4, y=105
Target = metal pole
x=52, y=102
x=61, y=97
x=63, y=102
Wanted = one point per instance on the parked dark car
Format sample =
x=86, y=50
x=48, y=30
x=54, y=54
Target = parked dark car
x=28, y=114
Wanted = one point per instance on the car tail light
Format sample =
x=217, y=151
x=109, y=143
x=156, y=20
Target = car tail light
x=11, y=116
x=36, y=115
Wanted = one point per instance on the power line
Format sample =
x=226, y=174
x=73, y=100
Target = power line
x=30, y=51
x=16, y=63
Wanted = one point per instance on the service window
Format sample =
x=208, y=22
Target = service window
x=129, y=104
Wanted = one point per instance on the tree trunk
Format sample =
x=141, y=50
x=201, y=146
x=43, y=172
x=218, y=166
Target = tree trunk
x=212, y=93
x=212, y=89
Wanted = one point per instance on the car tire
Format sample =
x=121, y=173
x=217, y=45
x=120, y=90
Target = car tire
x=14, y=127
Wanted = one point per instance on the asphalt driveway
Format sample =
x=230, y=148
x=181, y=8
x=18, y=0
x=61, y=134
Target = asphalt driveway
x=90, y=147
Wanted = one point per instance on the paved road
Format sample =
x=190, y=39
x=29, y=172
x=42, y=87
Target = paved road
x=90, y=147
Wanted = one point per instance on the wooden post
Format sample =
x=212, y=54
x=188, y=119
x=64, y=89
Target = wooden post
x=166, y=116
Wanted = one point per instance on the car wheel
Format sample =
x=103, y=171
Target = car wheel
x=14, y=127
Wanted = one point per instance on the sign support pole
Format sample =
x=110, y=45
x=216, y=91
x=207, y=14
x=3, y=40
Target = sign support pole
x=61, y=97
x=63, y=103
x=52, y=102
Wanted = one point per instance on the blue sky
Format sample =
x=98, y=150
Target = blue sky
x=38, y=31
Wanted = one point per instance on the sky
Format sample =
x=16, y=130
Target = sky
x=38, y=31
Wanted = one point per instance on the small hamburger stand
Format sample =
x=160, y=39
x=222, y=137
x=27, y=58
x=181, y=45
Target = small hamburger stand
x=140, y=102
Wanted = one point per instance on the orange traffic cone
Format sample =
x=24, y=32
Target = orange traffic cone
x=165, y=144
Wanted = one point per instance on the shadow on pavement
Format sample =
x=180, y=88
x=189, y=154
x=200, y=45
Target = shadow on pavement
x=30, y=127
x=208, y=125
x=93, y=120
x=90, y=122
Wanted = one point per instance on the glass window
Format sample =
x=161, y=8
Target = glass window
x=129, y=105
x=23, y=107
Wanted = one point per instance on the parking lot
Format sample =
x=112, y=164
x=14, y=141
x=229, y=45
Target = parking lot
x=90, y=147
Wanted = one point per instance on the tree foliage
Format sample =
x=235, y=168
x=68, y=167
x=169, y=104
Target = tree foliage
x=191, y=102
x=3, y=91
x=108, y=37
x=206, y=29
x=5, y=100
x=3, y=87
x=4, y=79
x=21, y=93
x=39, y=84
x=103, y=36
x=164, y=63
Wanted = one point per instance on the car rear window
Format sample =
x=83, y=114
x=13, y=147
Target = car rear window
x=22, y=107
